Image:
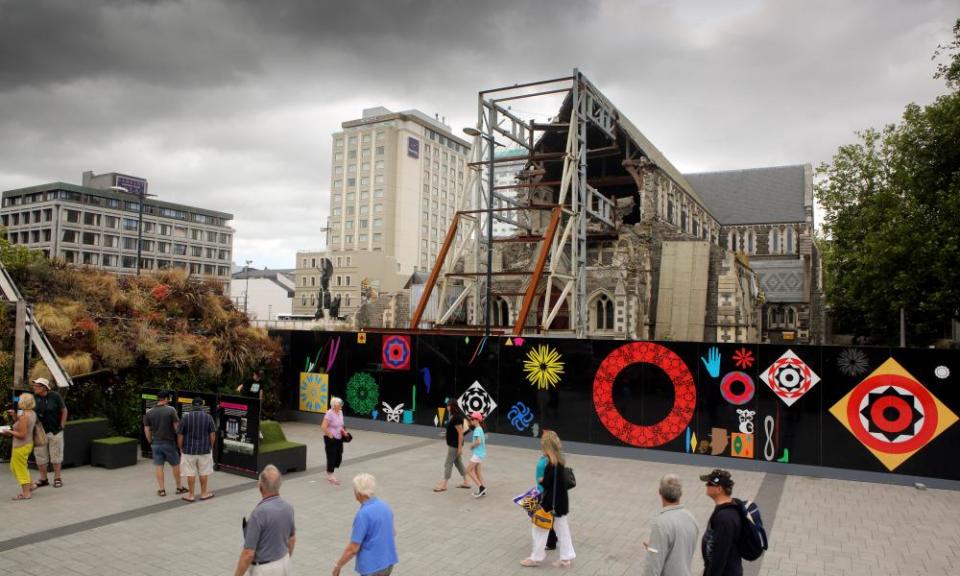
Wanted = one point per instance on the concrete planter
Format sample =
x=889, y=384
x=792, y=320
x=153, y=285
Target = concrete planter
x=114, y=452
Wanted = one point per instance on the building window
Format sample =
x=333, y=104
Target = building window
x=379, y=150
x=602, y=312
x=790, y=241
x=750, y=239
x=501, y=312
x=775, y=241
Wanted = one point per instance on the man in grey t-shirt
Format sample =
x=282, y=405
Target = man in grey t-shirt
x=160, y=428
x=270, y=534
x=673, y=534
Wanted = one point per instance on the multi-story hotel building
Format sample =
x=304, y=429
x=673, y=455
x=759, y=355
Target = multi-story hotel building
x=396, y=180
x=96, y=225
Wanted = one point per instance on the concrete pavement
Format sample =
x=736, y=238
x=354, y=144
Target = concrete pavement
x=112, y=522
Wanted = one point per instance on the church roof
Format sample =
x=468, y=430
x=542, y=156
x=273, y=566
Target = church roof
x=753, y=196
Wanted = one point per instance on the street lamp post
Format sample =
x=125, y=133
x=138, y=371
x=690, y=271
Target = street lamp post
x=142, y=196
x=246, y=290
x=491, y=145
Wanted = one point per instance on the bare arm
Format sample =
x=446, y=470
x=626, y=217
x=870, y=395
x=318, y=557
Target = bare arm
x=291, y=542
x=146, y=432
x=459, y=439
x=63, y=416
x=349, y=552
x=243, y=564
x=19, y=429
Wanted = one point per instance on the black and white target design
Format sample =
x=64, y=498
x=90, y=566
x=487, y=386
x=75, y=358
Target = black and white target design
x=476, y=399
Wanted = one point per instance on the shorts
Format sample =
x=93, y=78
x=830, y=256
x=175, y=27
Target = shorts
x=52, y=453
x=165, y=451
x=196, y=465
x=476, y=459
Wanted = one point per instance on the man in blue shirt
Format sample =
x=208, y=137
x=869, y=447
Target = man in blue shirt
x=195, y=437
x=373, y=538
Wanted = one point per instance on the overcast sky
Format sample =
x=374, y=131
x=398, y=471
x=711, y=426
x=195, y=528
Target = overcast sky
x=230, y=104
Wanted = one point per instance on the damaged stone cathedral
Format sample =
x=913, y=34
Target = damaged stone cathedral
x=609, y=240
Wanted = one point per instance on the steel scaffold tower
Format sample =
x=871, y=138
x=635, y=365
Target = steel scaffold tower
x=464, y=271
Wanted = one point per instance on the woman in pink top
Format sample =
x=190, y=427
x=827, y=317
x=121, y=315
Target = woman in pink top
x=333, y=432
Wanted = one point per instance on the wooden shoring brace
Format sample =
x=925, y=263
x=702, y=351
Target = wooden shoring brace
x=545, y=248
x=435, y=272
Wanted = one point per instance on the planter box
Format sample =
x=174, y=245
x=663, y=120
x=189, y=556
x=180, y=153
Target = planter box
x=275, y=449
x=114, y=452
x=78, y=437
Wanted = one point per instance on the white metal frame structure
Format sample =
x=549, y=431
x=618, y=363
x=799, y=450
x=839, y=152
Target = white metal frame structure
x=466, y=264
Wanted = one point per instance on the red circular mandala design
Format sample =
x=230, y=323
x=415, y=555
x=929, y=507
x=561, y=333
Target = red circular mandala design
x=883, y=381
x=685, y=394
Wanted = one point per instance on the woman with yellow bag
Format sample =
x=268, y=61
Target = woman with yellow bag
x=554, y=507
x=22, y=432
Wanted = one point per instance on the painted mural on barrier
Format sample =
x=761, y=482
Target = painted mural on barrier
x=874, y=409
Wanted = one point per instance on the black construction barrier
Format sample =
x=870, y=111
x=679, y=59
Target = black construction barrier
x=872, y=409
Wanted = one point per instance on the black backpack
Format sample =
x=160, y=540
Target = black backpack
x=753, y=538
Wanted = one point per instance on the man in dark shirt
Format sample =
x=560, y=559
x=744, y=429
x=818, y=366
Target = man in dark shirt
x=254, y=387
x=721, y=555
x=160, y=428
x=52, y=413
x=195, y=438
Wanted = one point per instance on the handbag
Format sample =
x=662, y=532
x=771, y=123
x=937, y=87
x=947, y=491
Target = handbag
x=569, y=479
x=346, y=437
x=541, y=518
x=39, y=434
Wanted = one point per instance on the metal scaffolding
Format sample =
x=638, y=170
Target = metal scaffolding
x=464, y=272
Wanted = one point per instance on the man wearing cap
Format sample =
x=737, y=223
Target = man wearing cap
x=721, y=556
x=52, y=413
x=673, y=534
x=196, y=436
x=160, y=428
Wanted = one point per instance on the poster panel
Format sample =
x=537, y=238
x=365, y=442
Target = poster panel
x=238, y=434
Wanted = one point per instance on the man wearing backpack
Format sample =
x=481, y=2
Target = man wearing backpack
x=720, y=545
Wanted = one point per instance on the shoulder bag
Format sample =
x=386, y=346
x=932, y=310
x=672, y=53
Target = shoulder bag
x=541, y=518
x=569, y=479
x=39, y=434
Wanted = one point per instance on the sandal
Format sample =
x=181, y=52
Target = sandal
x=41, y=483
x=208, y=496
x=190, y=500
x=21, y=497
x=182, y=490
x=563, y=563
x=466, y=486
x=529, y=562
x=439, y=489
x=161, y=493
x=57, y=483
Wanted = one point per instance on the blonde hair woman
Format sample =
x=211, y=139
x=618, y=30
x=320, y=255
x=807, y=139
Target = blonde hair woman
x=22, y=432
x=555, y=500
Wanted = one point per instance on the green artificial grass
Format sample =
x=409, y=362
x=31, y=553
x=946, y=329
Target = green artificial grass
x=86, y=421
x=266, y=448
x=112, y=440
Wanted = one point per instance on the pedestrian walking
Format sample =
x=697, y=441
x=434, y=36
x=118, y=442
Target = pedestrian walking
x=454, y=448
x=160, y=429
x=673, y=533
x=195, y=438
x=478, y=447
x=52, y=413
x=373, y=538
x=334, y=434
x=22, y=432
x=538, y=475
x=555, y=500
x=270, y=534
x=721, y=556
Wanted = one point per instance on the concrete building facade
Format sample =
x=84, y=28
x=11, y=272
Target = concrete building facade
x=97, y=224
x=396, y=180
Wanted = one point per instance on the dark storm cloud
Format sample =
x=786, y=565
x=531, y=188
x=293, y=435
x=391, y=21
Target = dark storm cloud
x=225, y=103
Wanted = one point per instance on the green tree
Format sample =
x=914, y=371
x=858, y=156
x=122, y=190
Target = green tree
x=892, y=220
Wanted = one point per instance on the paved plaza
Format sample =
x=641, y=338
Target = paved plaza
x=112, y=522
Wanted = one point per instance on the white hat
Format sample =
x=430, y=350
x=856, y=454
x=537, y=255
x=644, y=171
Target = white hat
x=42, y=382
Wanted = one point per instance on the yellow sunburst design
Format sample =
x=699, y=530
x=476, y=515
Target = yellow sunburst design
x=543, y=367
